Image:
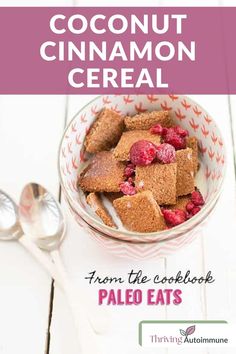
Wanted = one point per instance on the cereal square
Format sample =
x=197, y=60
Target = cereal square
x=185, y=173
x=103, y=174
x=105, y=131
x=193, y=144
x=147, y=119
x=140, y=212
x=160, y=180
x=95, y=202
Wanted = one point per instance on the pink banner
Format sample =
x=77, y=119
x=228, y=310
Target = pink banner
x=124, y=50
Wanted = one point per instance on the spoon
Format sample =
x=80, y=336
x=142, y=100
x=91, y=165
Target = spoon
x=10, y=230
x=42, y=219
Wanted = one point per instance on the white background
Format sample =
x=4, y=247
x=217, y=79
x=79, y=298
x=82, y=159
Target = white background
x=34, y=316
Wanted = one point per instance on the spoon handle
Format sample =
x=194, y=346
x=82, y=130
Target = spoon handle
x=88, y=339
x=40, y=256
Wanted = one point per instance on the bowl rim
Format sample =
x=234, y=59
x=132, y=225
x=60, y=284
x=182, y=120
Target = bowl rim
x=160, y=235
x=135, y=242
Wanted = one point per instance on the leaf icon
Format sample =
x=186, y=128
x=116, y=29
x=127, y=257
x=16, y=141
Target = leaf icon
x=190, y=330
x=182, y=332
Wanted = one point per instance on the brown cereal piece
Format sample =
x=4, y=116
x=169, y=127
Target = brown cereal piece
x=95, y=202
x=181, y=203
x=103, y=174
x=160, y=180
x=105, y=132
x=147, y=119
x=140, y=212
x=113, y=196
x=121, y=151
x=193, y=144
x=185, y=174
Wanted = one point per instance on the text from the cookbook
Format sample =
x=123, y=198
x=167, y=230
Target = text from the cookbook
x=163, y=290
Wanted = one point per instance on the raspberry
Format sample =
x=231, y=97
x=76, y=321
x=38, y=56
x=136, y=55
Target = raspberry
x=165, y=153
x=175, y=139
x=180, y=131
x=127, y=188
x=174, y=217
x=190, y=206
x=197, y=198
x=142, y=153
x=188, y=216
x=195, y=210
x=129, y=170
x=156, y=129
x=164, y=131
x=130, y=180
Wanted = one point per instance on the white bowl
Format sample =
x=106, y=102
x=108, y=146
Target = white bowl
x=186, y=113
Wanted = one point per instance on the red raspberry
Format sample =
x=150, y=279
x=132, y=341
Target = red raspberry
x=165, y=153
x=197, y=198
x=130, y=180
x=129, y=170
x=190, y=206
x=127, y=188
x=156, y=129
x=164, y=131
x=175, y=139
x=180, y=131
x=142, y=153
x=188, y=216
x=174, y=217
x=195, y=210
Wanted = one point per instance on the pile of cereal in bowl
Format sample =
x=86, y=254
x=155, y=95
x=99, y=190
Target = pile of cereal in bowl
x=145, y=166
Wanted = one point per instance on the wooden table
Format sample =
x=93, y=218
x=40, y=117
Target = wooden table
x=34, y=315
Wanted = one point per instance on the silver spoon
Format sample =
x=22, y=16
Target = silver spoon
x=40, y=214
x=10, y=230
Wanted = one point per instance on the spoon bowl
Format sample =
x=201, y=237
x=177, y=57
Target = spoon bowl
x=41, y=217
x=10, y=228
